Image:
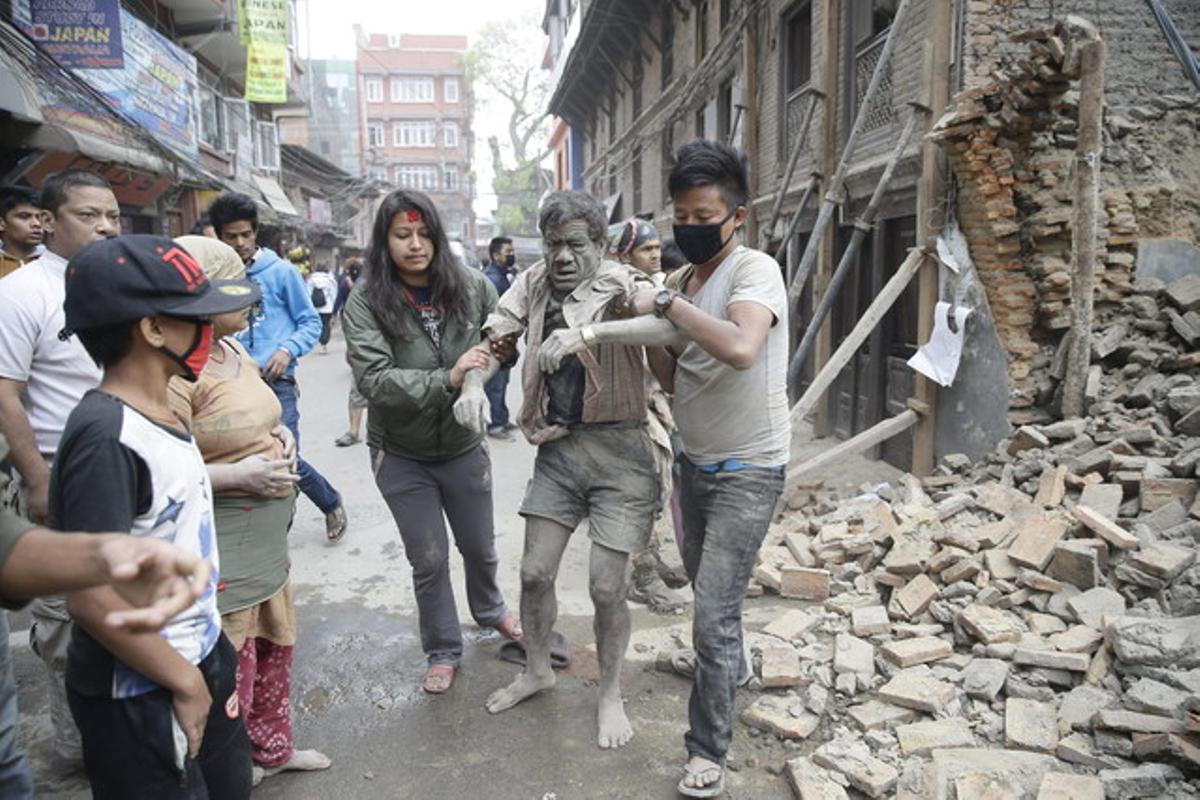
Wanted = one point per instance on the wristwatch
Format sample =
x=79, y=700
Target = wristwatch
x=662, y=301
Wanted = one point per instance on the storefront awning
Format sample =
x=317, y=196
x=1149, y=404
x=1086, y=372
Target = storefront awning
x=273, y=192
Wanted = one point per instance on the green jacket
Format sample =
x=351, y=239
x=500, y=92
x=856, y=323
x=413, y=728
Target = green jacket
x=407, y=383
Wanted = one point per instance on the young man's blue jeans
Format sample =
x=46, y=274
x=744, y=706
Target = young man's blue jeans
x=495, y=389
x=725, y=519
x=15, y=778
x=312, y=483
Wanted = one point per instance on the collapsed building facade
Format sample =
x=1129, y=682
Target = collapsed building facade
x=788, y=82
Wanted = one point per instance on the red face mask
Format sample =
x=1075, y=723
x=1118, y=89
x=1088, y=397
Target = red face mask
x=192, y=362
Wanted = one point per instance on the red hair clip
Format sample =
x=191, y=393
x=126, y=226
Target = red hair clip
x=414, y=215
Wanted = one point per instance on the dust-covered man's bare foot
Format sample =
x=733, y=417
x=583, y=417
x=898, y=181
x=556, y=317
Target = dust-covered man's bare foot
x=526, y=685
x=615, y=730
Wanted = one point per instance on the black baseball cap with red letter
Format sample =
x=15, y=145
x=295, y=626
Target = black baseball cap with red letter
x=129, y=277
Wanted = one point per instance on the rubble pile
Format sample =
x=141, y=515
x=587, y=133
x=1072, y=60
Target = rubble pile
x=1028, y=626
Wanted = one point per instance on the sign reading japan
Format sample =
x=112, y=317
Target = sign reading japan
x=78, y=33
x=156, y=88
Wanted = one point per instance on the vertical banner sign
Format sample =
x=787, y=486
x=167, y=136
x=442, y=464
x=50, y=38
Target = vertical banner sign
x=263, y=27
x=78, y=33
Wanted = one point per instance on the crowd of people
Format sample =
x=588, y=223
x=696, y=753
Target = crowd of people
x=148, y=386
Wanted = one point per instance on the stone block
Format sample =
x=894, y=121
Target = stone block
x=999, y=565
x=921, y=738
x=1167, y=747
x=1092, y=606
x=1076, y=564
x=916, y=595
x=1044, y=624
x=978, y=773
x=983, y=678
x=1079, y=705
x=989, y=625
x=1027, y=437
x=1077, y=748
x=911, y=652
x=866, y=773
x=1152, y=697
x=876, y=715
x=851, y=654
x=810, y=782
x=1030, y=725
x=767, y=575
x=1105, y=528
x=964, y=569
x=1158, y=492
x=770, y=713
x=870, y=621
x=1115, y=719
x=1103, y=498
x=1163, y=561
x=1156, y=642
x=1068, y=786
x=781, y=668
x=792, y=625
x=1185, y=292
x=1148, y=780
x=917, y=691
x=1051, y=659
x=804, y=583
x=1052, y=487
x=800, y=546
x=1034, y=545
x=1037, y=582
x=1077, y=639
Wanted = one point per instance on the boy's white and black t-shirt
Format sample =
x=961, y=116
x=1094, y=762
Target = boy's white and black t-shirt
x=119, y=471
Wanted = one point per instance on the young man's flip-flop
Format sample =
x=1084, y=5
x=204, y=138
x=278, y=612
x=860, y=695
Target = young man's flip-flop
x=335, y=524
x=702, y=778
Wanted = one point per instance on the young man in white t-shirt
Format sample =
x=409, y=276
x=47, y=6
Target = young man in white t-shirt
x=42, y=378
x=320, y=278
x=722, y=351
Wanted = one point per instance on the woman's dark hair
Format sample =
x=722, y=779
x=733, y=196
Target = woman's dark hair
x=448, y=280
x=233, y=207
x=108, y=344
x=702, y=162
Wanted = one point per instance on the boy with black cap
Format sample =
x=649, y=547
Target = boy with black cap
x=158, y=714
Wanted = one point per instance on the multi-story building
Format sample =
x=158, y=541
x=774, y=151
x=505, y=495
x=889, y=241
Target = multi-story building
x=415, y=109
x=331, y=129
x=634, y=80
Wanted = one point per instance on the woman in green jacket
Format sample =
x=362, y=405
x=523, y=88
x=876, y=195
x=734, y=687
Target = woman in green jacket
x=412, y=329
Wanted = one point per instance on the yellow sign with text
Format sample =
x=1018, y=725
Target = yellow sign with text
x=266, y=73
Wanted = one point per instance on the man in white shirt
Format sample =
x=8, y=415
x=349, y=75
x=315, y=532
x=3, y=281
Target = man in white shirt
x=321, y=280
x=42, y=378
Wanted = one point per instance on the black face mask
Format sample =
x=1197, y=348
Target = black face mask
x=510, y=260
x=701, y=243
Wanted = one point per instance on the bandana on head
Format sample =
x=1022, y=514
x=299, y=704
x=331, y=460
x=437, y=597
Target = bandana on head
x=636, y=233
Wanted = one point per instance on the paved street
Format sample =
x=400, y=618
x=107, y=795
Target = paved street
x=359, y=664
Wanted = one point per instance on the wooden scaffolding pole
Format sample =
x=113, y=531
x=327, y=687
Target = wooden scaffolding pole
x=765, y=233
x=877, y=434
x=1084, y=223
x=862, y=226
x=931, y=192
x=833, y=193
x=874, y=314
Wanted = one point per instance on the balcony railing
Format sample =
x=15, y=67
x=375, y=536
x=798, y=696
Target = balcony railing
x=881, y=112
x=793, y=120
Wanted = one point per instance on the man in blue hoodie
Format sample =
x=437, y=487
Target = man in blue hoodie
x=286, y=327
x=500, y=270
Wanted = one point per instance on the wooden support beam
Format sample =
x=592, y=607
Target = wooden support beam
x=872, y=317
x=1084, y=216
x=875, y=435
x=931, y=190
x=797, y=148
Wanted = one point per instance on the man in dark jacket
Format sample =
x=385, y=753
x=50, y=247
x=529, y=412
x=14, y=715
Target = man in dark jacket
x=499, y=269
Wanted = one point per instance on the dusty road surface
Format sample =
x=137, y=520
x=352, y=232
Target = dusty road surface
x=359, y=664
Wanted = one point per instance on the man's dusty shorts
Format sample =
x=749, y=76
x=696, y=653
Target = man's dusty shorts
x=605, y=473
x=356, y=398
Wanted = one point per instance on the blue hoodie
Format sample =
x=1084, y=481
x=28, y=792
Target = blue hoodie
x=287, y=318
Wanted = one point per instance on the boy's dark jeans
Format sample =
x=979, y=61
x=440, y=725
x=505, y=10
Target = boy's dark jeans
x=129, y=747
x=725, y=519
